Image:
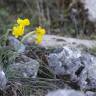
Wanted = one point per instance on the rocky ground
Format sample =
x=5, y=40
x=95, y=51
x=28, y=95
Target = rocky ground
x=56, y=67
x=58, y=41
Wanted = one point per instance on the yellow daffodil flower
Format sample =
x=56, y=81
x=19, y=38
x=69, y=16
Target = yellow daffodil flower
x=40, y=32
x=24, y=22
x=19, y=29
x=39, y=39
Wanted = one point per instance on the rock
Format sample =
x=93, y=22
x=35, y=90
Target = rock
x=61, y=62
x=87, y=78
x=53, y=41
x=80, y=66
x=16, y=44
x=65, y=92
x=3, y=80
x=91, y=10
x=26, y=67
x=89, y=93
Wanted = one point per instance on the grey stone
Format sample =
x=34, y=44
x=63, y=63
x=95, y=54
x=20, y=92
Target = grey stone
x=16, y=44
x=91, y=10
x=3, y=80
x=81, y=66
x=26, y=67
x=90, y=93
x=65, y=92
x=87, y=78
x=67, y=61
x=55, y=41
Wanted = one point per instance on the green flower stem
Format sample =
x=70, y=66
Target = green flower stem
x=25, y=37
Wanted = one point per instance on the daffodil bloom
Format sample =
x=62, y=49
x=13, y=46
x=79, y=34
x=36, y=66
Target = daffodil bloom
x=18, y=30
x=39, y=39
x=40, y=32
x=24, y=22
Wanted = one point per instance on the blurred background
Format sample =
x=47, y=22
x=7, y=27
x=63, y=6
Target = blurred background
x=59, y=17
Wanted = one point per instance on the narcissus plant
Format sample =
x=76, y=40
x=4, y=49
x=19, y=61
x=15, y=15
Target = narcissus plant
x=18, y=30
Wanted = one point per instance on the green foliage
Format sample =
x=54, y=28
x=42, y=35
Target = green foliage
x=54, y=14
x=7, y=55
x=39, y=53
